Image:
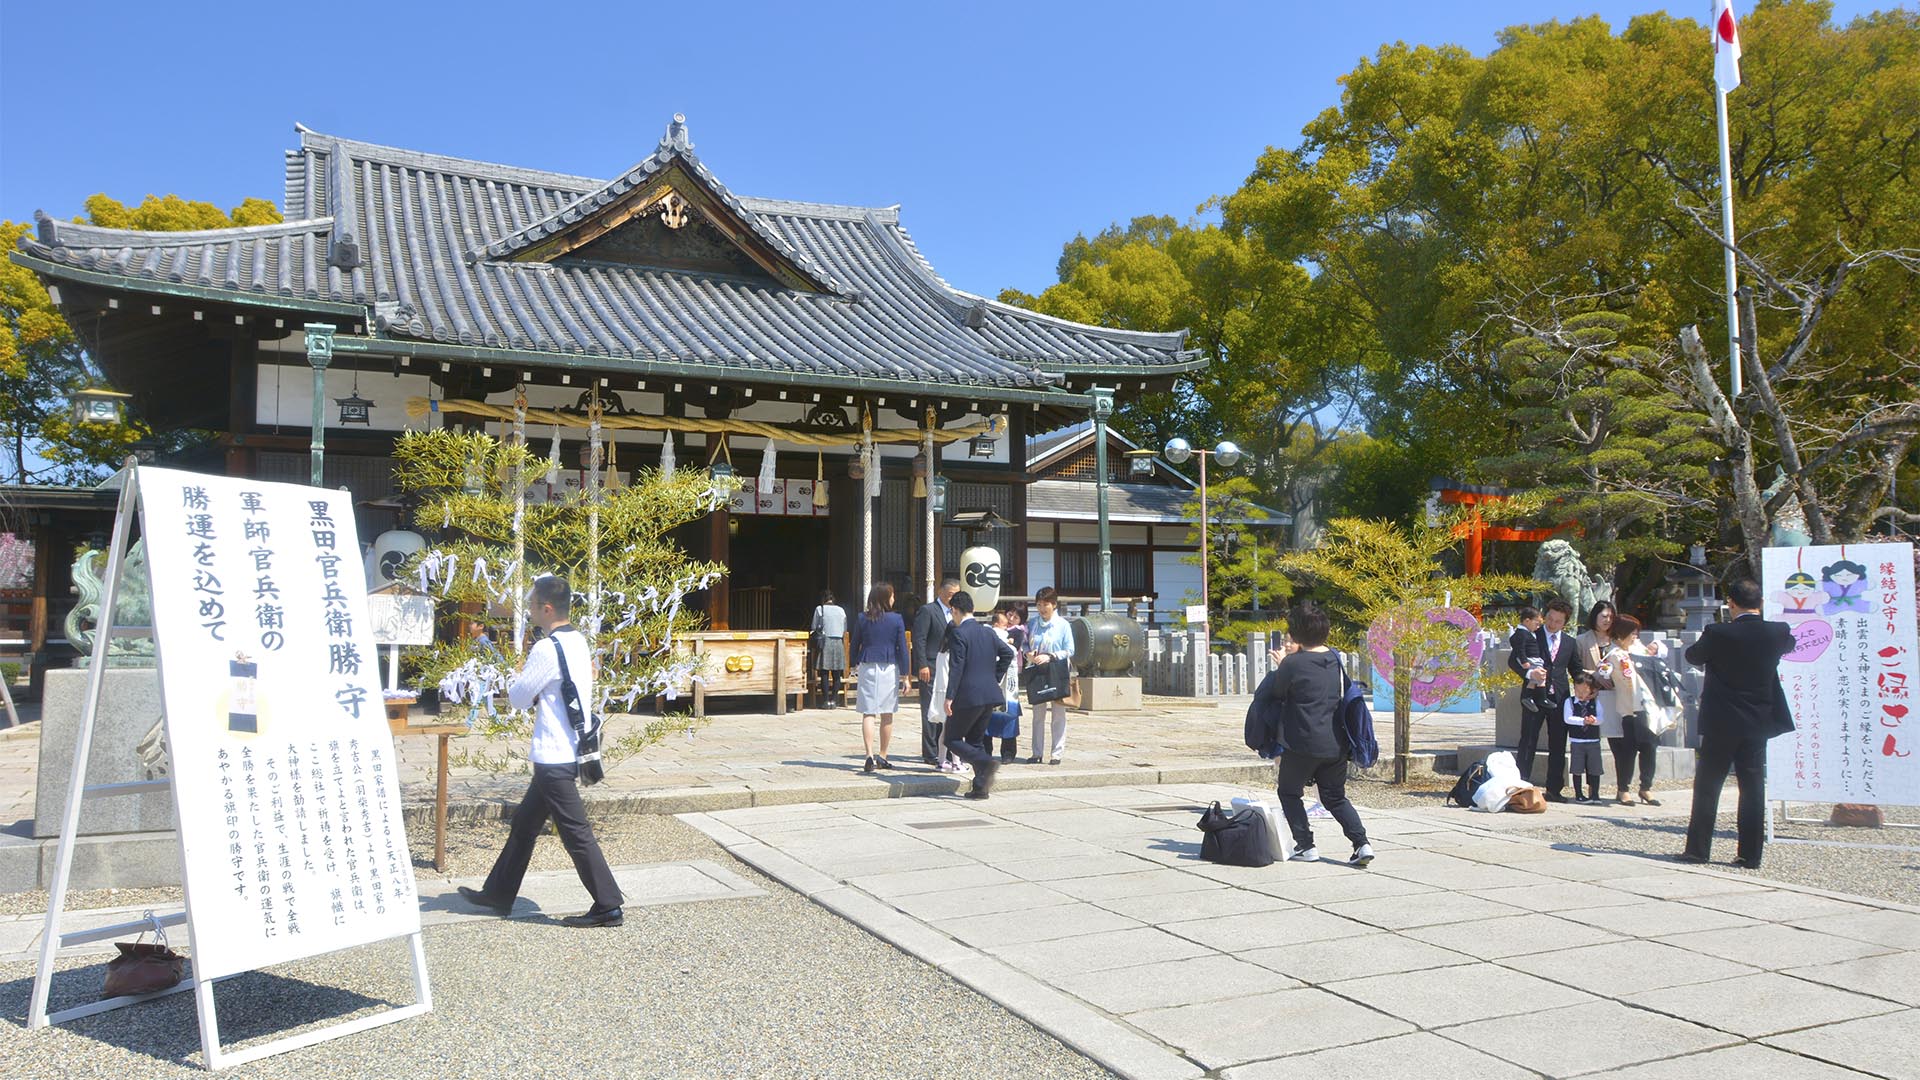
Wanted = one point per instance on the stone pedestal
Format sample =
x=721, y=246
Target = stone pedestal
x=128, y=710
x=1109, y=693
x=1506, y=717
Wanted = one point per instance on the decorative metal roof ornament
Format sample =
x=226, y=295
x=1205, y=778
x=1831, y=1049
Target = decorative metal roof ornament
x=673, y=210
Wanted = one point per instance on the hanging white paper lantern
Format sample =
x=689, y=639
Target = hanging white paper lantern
x=390, y=551
x=980, y=576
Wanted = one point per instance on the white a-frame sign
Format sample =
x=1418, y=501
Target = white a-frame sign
x=283, y=770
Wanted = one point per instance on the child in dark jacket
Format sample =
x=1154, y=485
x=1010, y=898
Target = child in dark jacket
x=1529, y=654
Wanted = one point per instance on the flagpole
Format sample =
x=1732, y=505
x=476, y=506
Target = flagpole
x=1726, y=229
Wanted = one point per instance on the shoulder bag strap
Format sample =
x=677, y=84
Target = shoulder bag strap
x=569, y=694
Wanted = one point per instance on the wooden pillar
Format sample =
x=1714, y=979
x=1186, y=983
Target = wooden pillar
x=1017, y=508
x=243, y=375
x=720, y=550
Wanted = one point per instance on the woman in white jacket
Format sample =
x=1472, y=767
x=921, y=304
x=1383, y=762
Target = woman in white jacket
x=1637, y=721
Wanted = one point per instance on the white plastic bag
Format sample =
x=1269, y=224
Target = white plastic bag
x=1279, y=837
x=1503, y=775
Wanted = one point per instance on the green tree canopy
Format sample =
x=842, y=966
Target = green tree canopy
x=42, y=360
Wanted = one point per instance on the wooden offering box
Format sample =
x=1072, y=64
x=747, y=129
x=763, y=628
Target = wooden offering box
x=746, y=663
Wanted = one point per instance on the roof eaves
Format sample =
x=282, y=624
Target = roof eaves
x=704, y=368
x=49, y=268
x=54, y=233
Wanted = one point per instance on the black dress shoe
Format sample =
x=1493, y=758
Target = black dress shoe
x=1691, y=858
x=482, y=900
x=1554, y=796
x=613, y=917
x=976, y=793
x=1746, y=864
x=1035, y=760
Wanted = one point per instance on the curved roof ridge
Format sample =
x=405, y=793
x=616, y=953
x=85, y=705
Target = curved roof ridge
x=1173, y=339
x=916, y=268
x=897, y=244
x=828, y=211
x=420, y=159
x=56, y=233
x=674, y=147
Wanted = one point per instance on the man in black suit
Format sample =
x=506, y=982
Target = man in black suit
x=930, y=626
x=977, y=661
x=1742, y=705
x=1556, y=661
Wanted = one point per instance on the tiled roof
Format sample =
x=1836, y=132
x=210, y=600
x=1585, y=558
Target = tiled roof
x=1077, y=500
x=429, y=243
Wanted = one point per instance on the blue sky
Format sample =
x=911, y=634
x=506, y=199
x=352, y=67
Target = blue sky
x=1002, y=129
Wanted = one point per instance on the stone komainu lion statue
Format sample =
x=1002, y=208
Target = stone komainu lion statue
x=1561, y=565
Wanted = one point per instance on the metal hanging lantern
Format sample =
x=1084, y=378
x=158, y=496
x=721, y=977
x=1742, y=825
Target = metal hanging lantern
x=1140, y=463
x=938, y=491
x=980, y=447
x=355, y=409
x=96, y=406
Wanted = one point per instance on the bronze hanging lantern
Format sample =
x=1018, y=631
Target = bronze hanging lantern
x=355, y=409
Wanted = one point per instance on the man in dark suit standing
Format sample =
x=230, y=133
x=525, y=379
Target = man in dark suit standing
x=977, y=661
x=930, y=625
x=1557, y=661
x=1742, y=705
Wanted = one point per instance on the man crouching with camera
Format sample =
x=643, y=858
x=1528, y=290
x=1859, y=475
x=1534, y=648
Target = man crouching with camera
x=560, y=658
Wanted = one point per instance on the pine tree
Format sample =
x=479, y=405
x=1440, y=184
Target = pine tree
x=1611, y=447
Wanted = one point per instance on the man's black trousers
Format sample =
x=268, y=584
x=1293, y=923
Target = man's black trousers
x=1530, y=724
x=1746, y=758
x=967, y=734
x=932, y=713
x=1329, y=775
x=553, y=794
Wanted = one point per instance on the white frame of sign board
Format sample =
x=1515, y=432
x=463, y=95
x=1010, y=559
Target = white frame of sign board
x=52, y=940
x=1769, y=603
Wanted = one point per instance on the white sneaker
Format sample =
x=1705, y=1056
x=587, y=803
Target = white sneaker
x=1306, y=854
x=1362, y=855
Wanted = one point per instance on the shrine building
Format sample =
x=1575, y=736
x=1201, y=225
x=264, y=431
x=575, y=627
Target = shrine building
x=433, y=290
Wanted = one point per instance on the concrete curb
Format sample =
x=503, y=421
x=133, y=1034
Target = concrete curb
x=683, y=801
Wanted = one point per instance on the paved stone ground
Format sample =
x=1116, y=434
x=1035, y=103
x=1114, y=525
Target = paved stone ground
x=739, y=758
x=717, y=972
x=1465, y=951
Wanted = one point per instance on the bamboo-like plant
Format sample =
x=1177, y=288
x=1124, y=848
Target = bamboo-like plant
x=629, y=578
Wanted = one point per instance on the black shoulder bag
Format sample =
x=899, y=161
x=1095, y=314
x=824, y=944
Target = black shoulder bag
x=586, y=728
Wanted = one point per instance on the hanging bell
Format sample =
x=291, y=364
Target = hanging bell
x=920, y=472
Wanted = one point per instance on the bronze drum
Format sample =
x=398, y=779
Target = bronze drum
x=1106, y=643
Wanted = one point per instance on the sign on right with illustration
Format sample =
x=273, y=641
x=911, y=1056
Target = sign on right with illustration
x=1852, y=677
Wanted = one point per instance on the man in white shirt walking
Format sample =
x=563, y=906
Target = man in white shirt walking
x=554, y=792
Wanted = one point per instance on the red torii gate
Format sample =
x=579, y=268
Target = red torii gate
x=1475, y=529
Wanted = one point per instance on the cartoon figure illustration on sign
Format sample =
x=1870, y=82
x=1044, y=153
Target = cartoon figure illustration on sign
x=1842, y=582
x=242, y=711
x=1799, y=597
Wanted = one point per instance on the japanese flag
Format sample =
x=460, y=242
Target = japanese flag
x=1726, y=46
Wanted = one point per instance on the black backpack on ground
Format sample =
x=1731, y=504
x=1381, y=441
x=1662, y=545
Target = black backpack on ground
x=1234, y=839
x=1469, y=782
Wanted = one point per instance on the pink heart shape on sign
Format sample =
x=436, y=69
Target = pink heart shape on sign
x=1810, y=639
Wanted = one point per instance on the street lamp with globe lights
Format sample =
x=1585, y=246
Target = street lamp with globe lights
x=1227, y=454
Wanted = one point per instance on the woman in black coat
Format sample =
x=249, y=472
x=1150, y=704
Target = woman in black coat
x=1304, y=693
